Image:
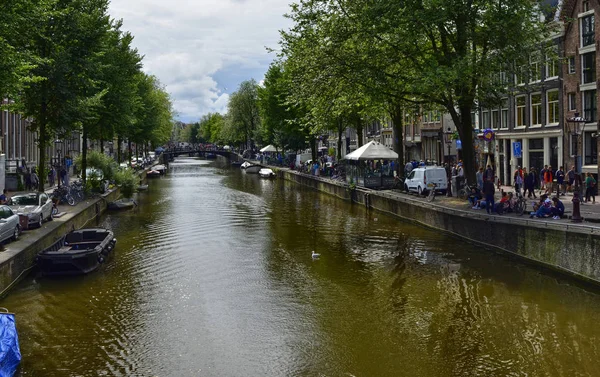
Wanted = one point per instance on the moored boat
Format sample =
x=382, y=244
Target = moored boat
x=152, y=174
x=253, y=169
x=142, y=187
x=10, y=353
x=245, y=164
x=266, y=173
x=162, y=169
x=77, y=253
x=124, y=203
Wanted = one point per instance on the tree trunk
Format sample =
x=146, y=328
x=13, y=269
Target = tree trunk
x=42, y=148
x=119, y=149
x=84, y=150
x=398, y=136
x=129, y=152
x=313, y=148
x=359, y=131
x=465, y=131
x=340, y=129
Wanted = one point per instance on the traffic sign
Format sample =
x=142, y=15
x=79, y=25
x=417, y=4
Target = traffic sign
x=517, y=149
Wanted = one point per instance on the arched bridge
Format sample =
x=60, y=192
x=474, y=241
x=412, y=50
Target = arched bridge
x=170, y=154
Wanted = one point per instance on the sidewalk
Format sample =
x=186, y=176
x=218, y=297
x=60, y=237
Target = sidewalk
x=590, y=212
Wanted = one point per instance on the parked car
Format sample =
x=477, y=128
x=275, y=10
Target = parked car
x=421, y=180
x=9, y=224
x=37, y=206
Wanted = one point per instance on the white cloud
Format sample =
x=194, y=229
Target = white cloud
x=198, y=48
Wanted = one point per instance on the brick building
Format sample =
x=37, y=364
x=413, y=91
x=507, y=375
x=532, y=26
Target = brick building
x=580, y=83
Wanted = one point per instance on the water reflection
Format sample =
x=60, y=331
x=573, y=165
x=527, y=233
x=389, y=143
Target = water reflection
x=213, y=276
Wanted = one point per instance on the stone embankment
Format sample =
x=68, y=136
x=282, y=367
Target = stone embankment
x=17, y=258
x=572, y=249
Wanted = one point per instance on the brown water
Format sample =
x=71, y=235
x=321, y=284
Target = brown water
x=213, y=276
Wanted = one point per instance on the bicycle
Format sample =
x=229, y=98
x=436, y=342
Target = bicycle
x=465, y=192
x=63, y=194
x=431, y=194
x=521, y=204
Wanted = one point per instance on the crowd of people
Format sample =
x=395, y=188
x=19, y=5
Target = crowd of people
x=533, y=185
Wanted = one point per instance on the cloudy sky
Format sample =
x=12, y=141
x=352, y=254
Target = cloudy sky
x=203, y=49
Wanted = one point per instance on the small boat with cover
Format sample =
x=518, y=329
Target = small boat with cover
x=77, y=253
x=10, y=353
x=124, y=203
x=266, y=173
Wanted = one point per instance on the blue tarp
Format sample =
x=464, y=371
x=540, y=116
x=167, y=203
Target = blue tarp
x=10, y=354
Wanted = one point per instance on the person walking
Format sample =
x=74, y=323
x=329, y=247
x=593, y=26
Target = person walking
x=578, y=187
x=34, y=180
x=489, y=191
x=570, y=179
x=518, y=180
x=560, y=181
x=548, y=178
x=590, y=188
x=479, y=177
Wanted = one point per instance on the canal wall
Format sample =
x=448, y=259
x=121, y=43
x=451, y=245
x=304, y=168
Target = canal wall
x=572, y=249
x=18, y=257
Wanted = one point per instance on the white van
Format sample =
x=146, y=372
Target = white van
x=421, y=179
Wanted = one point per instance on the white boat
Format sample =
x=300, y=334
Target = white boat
x=253, y=169
x=245, y=165
x=162, y=169
x=266, y=173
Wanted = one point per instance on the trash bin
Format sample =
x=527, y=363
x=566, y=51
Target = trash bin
x=24, y=222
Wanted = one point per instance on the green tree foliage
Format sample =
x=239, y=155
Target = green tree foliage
x=440, y=52
x=67, y=40
x=278, y=116
x=211, y=129
x=243, y=115
x=17, y=24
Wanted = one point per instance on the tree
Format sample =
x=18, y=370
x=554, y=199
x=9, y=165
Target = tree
x=17, y=29
x=441, y=52
x=67, y=40
x=278, y=126
x=243, y=113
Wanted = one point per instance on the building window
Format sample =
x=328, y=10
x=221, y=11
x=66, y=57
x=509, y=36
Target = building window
x=572, y=102
x=520, y=105
x=519, y=76
x=588, y=68
x=585, y=6
x=474, y=122
x=495, y=119
x=485, y=119
x=504, y=114
x=551, y=62
x=587, y=30
x=552, y=101
x=534, y=66
x=589, y=105
x=571, y=65
x=536, y=109
x=590, y=148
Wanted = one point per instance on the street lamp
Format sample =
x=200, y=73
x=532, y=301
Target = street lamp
x=578, y=123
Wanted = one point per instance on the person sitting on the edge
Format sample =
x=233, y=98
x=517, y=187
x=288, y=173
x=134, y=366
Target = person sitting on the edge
x=543, y=211
x=503, y=204
x=558, y=210
x=474, y=198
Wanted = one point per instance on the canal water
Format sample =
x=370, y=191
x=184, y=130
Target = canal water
x=213, y=276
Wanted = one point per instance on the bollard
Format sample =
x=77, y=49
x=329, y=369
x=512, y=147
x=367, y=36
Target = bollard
x=576, y=218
